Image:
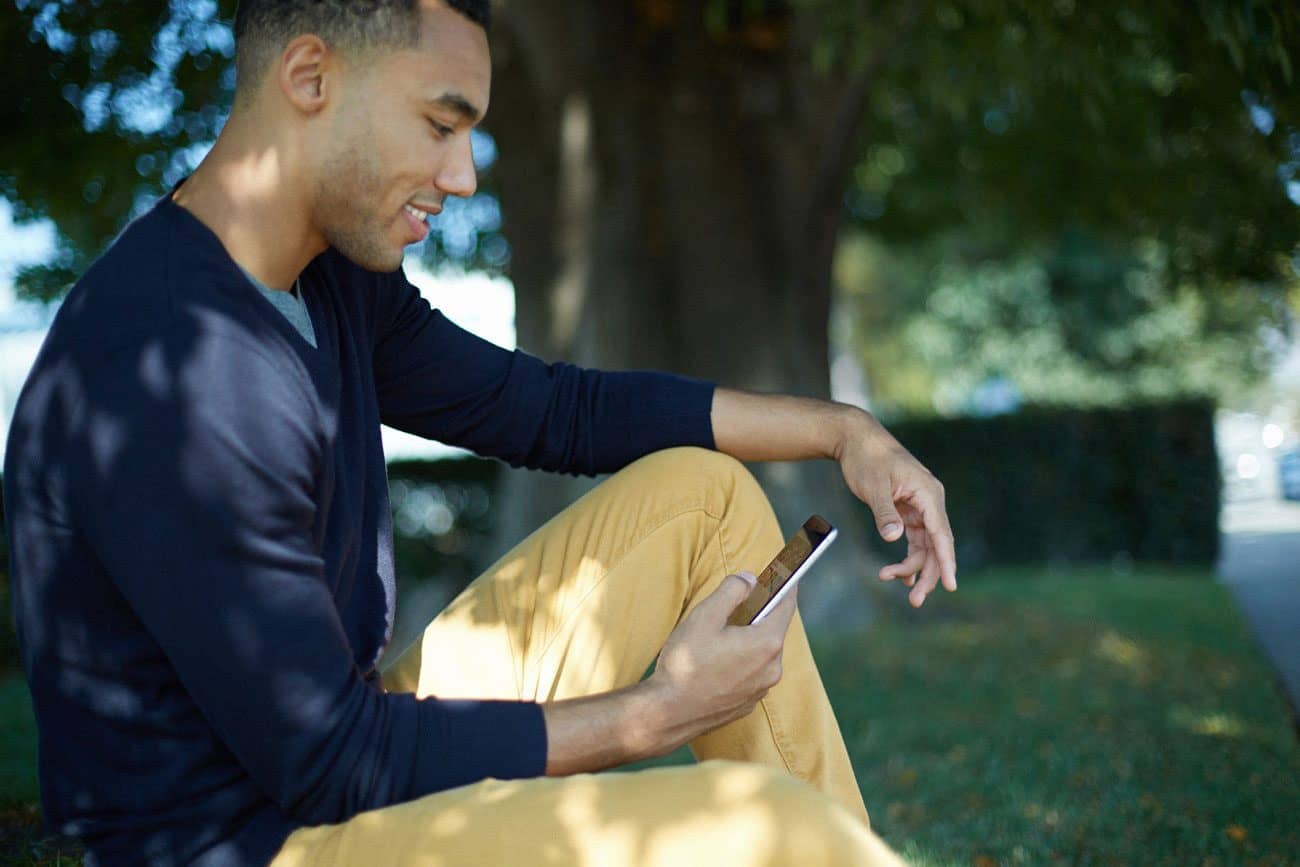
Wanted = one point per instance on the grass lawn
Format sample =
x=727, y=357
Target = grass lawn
x=1075, y=718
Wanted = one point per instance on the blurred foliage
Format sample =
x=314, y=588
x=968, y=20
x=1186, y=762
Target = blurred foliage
x=1019, y=121
x=1069, y=196
x=106, y=103
x=443, y=514
x=1079, y=323
x=1050, y=486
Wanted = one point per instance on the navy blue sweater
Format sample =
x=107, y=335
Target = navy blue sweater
x=202, y=564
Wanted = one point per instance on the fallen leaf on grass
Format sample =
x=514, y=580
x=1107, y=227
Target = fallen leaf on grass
x=1236, y=832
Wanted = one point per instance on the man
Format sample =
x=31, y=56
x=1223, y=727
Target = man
x=202, y=564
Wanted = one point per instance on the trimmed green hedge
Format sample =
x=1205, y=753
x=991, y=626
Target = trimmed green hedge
x=1069, y=486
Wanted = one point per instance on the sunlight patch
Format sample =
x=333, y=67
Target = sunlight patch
x=1213, y=723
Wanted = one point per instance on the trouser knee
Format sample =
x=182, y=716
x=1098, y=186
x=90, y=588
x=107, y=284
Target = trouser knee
x=692, y=465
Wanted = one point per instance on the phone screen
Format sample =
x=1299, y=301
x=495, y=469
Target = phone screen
x=789, y=566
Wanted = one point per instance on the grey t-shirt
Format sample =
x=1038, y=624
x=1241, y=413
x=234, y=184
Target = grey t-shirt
x=291, y=304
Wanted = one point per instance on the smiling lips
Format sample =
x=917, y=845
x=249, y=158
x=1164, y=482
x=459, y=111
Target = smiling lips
x=417, y=220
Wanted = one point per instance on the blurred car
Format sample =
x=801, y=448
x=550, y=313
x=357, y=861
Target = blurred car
x=1288, y=471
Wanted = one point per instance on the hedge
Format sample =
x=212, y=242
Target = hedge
x=1067, y=486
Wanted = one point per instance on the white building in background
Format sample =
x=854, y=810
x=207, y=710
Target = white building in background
x=1251, y=443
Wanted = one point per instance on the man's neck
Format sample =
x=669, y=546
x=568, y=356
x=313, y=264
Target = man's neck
x=248, y=193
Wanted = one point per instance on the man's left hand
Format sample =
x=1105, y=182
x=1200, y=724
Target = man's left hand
x=904, y=497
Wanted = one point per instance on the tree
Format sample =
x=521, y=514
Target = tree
x=689, y=163
x=673, y=173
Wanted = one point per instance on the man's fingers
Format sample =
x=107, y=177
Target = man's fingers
x=929, y=578
x=941, y=543
x=910, y=566
x=937, y=533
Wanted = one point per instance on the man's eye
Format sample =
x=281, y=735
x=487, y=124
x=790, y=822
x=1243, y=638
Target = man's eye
x=441, y=130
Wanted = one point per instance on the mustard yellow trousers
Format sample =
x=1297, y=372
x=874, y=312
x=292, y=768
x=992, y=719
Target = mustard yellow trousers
x=583, y=606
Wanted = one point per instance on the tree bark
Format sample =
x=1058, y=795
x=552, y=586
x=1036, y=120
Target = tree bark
x=666, y=195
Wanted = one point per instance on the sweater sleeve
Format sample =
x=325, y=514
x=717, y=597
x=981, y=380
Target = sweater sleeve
x=200, y=503
x=437, y=380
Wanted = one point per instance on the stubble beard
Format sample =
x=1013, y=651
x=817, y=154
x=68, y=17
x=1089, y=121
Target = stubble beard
x=350, y=219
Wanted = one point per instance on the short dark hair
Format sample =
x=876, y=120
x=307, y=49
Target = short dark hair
x=264, y=26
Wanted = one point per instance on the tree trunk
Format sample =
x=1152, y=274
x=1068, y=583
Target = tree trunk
x=659, y=185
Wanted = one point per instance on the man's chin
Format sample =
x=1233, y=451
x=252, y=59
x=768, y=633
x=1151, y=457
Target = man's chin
x=372, y=257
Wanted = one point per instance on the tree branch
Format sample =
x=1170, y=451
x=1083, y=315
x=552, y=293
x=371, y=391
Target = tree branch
x=846, y=122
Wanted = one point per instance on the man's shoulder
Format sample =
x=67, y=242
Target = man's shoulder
x=163, y=282
x=160, y=306
x=132, y=268
x=124, y=294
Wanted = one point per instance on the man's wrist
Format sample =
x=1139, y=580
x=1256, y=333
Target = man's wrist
x=659, y=730
x=594, y=732
x=851, y=424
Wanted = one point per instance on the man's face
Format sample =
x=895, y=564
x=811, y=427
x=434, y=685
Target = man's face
x=398, y=138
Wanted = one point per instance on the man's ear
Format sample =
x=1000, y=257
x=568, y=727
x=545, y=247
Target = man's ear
x=303, y=72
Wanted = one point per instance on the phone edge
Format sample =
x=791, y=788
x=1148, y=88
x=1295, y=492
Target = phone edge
x=794, y=579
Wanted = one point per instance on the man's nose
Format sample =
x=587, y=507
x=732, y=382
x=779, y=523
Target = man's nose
x=457, y=176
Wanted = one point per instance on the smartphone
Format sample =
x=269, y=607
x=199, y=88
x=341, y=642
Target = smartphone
x=779, y=578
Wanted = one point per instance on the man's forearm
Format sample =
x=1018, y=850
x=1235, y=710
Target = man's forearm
x=779, y=427
x=610, y=729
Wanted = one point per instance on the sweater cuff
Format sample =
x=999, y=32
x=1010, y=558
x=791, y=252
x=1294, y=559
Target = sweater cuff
x=462, y=741
x=694, y=423
x=645, y=411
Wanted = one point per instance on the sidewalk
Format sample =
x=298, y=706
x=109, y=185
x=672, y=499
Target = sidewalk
x=1260, y=564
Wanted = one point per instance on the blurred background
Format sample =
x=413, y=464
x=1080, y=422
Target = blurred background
x=1054, y=246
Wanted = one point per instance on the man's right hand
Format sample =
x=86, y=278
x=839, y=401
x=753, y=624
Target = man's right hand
x=709, y=672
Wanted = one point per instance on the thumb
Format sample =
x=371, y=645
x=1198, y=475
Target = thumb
x=734, y=590
x=888, y=521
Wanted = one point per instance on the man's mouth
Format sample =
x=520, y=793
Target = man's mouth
x=417, y=213
x=417, y=220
